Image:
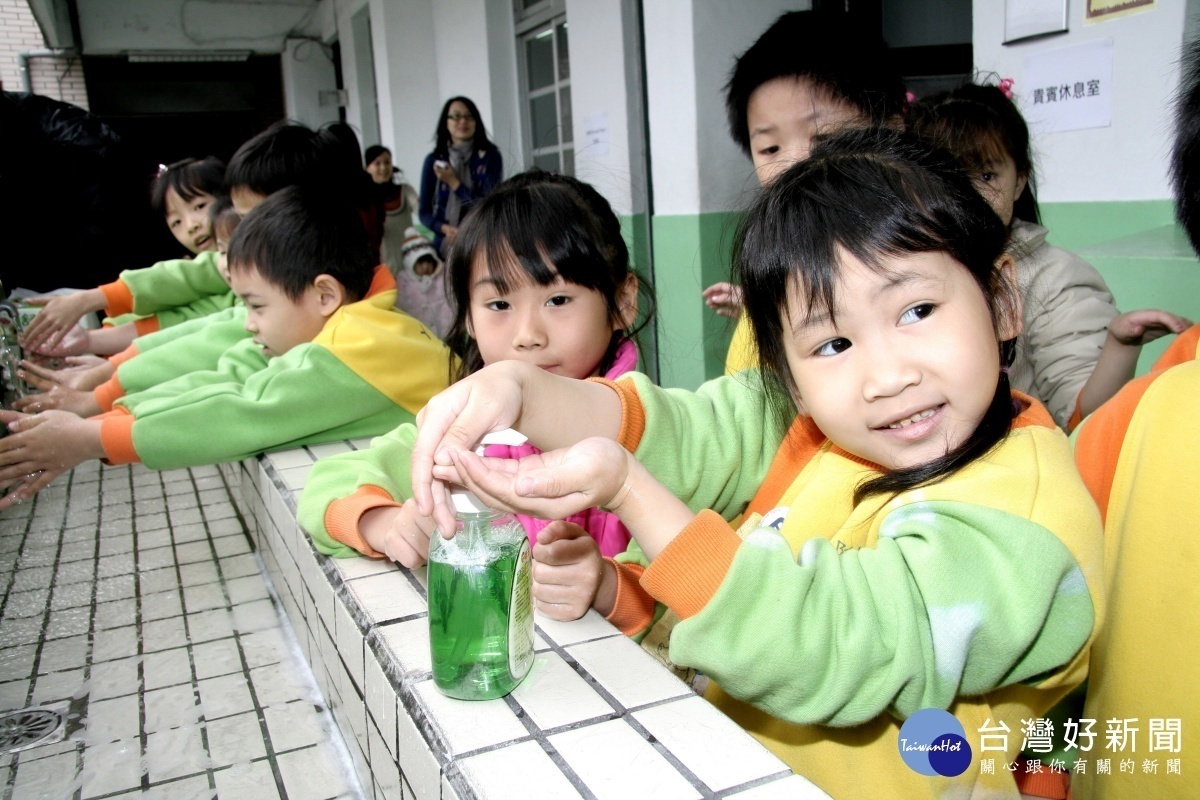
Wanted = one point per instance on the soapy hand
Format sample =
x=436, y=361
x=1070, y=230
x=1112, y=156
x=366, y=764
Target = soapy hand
x=81, y=372
x=567, y=572
x=59, y=314
x=41, y=447
x=51, y=394
x=401, y=533
x=550, y=485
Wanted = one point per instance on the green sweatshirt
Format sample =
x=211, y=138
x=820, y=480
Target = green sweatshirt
x=194, y=345
x=172, y=291
x=370, y=369
x=823, y=624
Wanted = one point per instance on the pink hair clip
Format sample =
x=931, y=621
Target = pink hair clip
x=161, y=169
x=910, y=97
x=1005, y=86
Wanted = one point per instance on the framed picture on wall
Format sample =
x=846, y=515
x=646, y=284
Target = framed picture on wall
x=1027, y=19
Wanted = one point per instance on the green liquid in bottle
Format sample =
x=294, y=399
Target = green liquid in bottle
x=480, y=613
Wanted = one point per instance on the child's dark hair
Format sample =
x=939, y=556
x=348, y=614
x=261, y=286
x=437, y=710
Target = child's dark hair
x=980, y=125
x=840, y=57
x=189, y=178
x=441, y=147
x=876, y=194
x=1185, y=156
x=530, y=219
x=223, y=218
x=299, y=233
x=289, y=154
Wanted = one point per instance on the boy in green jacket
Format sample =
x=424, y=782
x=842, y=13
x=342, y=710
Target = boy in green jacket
x=329, y=358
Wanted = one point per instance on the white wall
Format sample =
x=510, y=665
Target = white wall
x=1128, y=160
x=114, y=26
x=308, y=71
x=599, y=56
x=690, y=49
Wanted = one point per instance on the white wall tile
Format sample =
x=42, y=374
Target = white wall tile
x=592, y=751
x=590, y=626
x=554, y=694
x=468, y=725
x=709, y=743
x=518, y=772
x=386, y=597
x=627, y=672
x=791, y=787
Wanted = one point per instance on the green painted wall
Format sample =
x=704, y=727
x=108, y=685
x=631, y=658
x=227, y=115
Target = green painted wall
x=1136, y=246
x=1143, y=255
x=690, y=253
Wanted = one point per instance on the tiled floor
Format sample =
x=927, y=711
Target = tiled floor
x=130, y=600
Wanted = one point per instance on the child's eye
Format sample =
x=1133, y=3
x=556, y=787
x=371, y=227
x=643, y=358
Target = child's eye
x=769, y=151
x=497, y=305
x=558, y=300
x=987, y=177
x=832, y=347
x=173, y=223
x=916, y=313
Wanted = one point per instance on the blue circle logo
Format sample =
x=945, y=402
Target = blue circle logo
x=932, y=742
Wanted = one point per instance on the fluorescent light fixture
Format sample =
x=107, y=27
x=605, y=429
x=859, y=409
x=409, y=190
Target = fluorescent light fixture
x=159, y=56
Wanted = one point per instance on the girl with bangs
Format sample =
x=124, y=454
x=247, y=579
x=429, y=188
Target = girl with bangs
x=539, y=274
x=914, y=539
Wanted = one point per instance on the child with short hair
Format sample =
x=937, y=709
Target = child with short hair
x=915, y=535
x=421, y=283
x=155, y=296
x=1076, y=350
x=540, y=274
x=809, y=74
x=321, y=364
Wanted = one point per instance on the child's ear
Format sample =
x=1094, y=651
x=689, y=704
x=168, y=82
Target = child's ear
x=627, y=303
x=331, y=295
x=1007, y=298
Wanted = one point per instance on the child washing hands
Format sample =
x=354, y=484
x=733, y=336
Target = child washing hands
x=540, y=274
x=915, y=535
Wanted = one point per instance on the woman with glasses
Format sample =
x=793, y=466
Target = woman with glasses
x=463, y=167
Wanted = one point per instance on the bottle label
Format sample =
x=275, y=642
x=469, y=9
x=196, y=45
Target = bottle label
x=520, y=616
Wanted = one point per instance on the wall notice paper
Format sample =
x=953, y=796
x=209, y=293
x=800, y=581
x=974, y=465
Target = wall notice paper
x=596, y=135
x=1106, y=9
x=1069, y=88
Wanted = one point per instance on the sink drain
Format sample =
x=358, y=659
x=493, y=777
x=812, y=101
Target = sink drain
x=29, y=727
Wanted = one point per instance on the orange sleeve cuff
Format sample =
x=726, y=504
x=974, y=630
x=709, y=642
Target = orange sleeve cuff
x=116, y=436
x=689, y=571
x=633, y=610
x=117, y=298
x=108, y=393
x=343, y=514
x=633, y=415
x=146, y=325
x=123, y=356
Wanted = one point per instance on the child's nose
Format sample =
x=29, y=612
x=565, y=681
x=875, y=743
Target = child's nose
x=530, y=333
x=888, y=372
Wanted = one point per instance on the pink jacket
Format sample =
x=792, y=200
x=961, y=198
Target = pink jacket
x=602, y=526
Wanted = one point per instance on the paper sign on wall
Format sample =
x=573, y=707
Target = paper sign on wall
x=1069, y=88
x=596, y=135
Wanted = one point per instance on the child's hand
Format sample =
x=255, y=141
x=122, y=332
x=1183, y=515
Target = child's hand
x=52, y=394
x=41, y=447
x=567, y=571
x=1136, y=328
x=551, y=485
x=724, y=298
x=59, y=314
x=402, y=534
x=74, y=342
x=82, y=372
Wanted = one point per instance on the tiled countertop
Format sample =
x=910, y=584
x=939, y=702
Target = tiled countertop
x=597, y=717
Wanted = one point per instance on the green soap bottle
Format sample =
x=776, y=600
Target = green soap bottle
x=480, y=605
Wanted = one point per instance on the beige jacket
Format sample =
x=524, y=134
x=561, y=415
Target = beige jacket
x=1067, y=308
